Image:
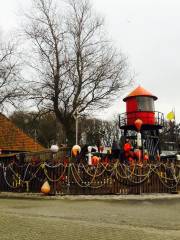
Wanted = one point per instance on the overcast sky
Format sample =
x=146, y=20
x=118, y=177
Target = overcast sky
x=147, y=31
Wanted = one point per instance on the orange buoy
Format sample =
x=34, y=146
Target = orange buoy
x=138, y=123
x=45, y=187
x=95, y=160
x=76, y=149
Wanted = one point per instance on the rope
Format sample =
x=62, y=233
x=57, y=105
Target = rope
x=57, y=179
x=55, y=166
x=5, y=178
x=34, y=174
x=85, y=185
x=92, y=167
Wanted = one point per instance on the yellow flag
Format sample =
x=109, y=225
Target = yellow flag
x=170, y=116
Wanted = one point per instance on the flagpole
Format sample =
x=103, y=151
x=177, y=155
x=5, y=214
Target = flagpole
x=176, y=138
x=174, y=114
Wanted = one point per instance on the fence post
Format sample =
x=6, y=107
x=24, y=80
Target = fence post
x=68, y=182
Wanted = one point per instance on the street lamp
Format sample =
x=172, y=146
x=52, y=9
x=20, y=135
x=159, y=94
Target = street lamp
x=76, y=116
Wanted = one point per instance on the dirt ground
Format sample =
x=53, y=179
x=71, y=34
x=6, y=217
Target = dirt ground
x=71, y=219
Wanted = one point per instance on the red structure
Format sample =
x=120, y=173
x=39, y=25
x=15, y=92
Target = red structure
x=140, y=105
x=141, y=123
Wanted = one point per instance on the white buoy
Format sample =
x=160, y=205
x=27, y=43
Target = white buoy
x=139, y=140
x=89, y=155
x=54, y=148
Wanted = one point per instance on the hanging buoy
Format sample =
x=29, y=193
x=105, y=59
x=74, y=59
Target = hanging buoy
x=54, y=148
x=76, y=149
x=138, y=123
x=127, y=147
x=95, y=160
x=45, y=188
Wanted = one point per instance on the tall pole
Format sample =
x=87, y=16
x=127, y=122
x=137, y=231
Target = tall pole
x=76, y=116
x=76, y=130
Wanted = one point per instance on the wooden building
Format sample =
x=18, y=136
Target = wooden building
x=13, y=139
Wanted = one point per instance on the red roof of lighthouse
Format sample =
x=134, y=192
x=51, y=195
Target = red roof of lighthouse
x=140, y=91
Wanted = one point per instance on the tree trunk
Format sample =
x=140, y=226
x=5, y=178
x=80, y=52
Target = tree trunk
x=70, y=131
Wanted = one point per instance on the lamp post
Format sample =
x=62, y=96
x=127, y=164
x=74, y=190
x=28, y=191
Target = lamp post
x=76, y=116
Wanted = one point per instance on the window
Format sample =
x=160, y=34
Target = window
x=145, y=104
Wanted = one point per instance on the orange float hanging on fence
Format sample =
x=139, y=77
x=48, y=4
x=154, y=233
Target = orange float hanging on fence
x=45, y=188
x=76, y=149
x=95, y=160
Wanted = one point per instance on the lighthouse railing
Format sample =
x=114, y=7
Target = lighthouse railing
x=127, y=119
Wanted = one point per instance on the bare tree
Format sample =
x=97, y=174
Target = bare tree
x=9, y=75
x=79, y=69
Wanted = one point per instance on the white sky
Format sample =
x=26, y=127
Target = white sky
x=147, y=31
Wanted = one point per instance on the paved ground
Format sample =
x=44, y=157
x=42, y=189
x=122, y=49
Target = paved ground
x=77, y=218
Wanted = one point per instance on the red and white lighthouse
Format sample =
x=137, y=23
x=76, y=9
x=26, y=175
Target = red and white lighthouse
x=141, y=119
x=140, y=105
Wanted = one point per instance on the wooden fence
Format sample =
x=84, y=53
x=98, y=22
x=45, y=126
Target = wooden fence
x=67, y=177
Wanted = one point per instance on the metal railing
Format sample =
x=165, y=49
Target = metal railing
x=126, y=119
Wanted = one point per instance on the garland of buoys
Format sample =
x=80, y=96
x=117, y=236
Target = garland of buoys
x=166, y=173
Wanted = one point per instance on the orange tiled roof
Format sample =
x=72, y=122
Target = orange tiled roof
x=14, y=139
x=140, y=91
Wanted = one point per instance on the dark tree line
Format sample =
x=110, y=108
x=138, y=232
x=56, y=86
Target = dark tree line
x=46, y=129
